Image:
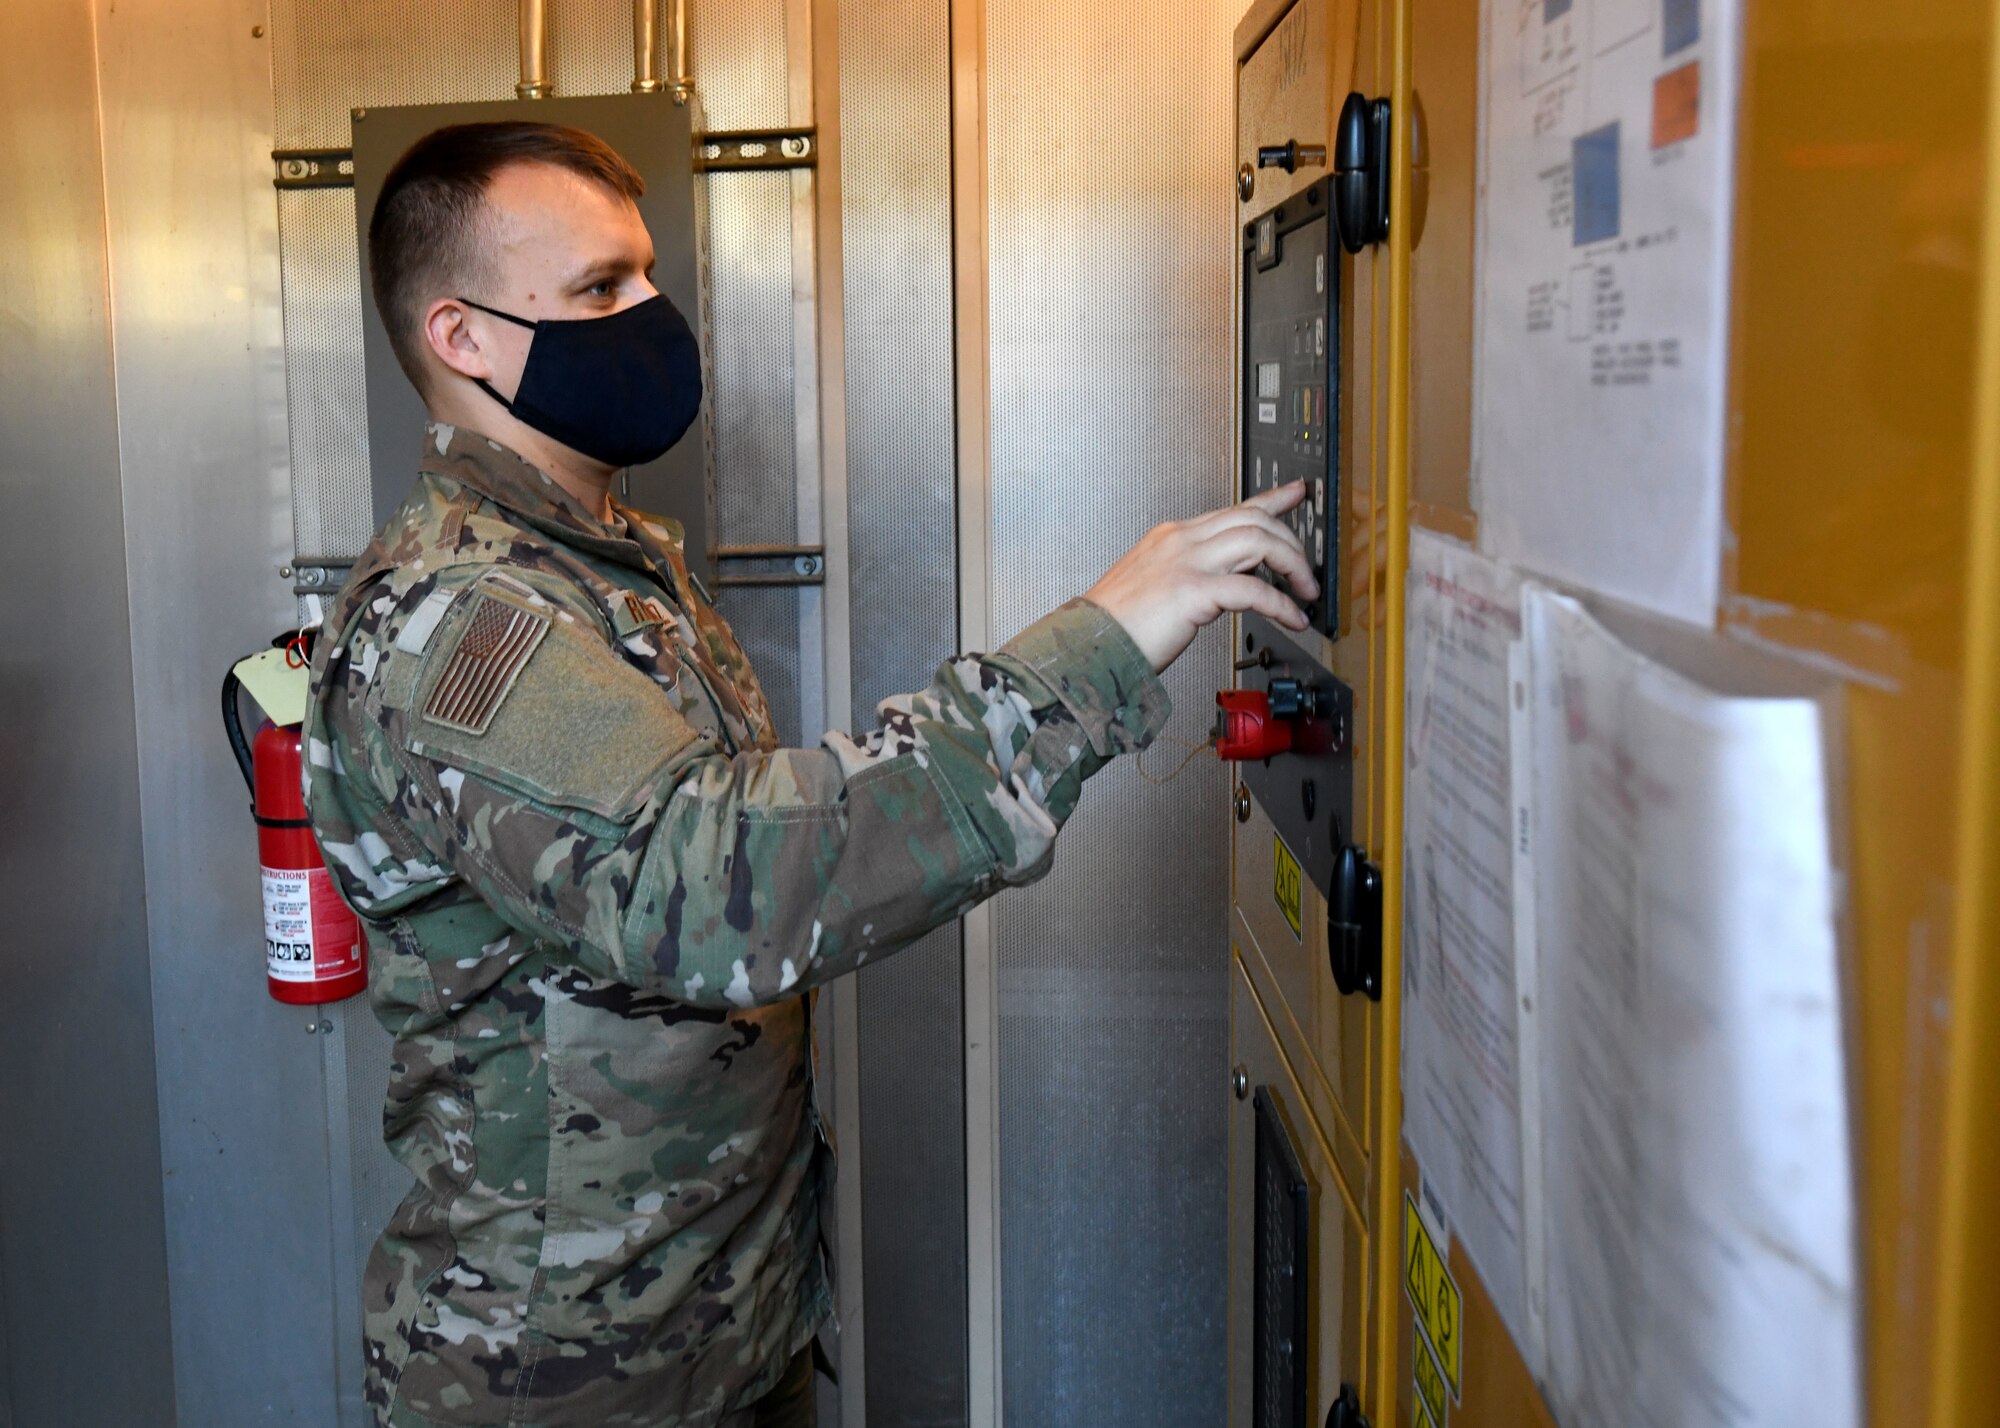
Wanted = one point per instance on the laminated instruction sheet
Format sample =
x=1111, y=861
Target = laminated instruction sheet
x=1461, y=1072
x=1625, y=1081
x=1607, y=142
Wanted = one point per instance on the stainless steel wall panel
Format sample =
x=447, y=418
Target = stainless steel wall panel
x=766, y=622
x=750, y=302
x=82, y=1232
x=741, y=62
x=895, y=185
x=326, y=388
x=193, y=240
x=1110, y=330
x=329, y=57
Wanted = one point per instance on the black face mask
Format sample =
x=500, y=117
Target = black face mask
x=621, y=389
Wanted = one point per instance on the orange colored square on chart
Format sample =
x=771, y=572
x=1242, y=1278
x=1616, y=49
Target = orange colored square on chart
x=1677, y=105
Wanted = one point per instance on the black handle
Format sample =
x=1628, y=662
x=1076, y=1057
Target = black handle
x=1291, y=156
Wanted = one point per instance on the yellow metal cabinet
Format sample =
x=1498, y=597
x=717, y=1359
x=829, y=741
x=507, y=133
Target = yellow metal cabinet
x=1852, y=474
x=1297, y=64
x=1863, y=496
x=1336, y=1319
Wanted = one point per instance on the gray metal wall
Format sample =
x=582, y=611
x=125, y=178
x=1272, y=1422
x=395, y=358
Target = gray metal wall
x=895, y=123
x=214, y=1172
x=82, y=1238
x=1109, y=167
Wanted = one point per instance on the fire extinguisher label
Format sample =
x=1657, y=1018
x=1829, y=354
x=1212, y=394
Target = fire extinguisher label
x=309, y=933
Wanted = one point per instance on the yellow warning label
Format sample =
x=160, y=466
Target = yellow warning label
x=1440, y=1310
x=1430, y=1383
x=1285, y=882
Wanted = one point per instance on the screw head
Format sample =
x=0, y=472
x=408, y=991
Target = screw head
x=256, y=32
x=1242, y=803
x=1246, y=183
x=1239, y=1082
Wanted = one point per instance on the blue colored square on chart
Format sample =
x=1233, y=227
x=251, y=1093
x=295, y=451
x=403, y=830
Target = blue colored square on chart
x=1680, y=24
x=1594, y=179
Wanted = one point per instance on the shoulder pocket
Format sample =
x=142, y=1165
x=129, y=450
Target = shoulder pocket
x=527, y=695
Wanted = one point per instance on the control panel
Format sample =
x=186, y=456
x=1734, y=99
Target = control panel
x=1291, y=375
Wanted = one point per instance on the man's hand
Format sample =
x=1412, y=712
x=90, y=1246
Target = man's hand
x=1185, y=573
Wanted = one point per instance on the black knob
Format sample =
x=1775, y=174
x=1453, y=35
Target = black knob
x=1292, y=700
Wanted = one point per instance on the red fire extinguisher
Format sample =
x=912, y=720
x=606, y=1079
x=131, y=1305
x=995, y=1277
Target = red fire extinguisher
x=313, y=947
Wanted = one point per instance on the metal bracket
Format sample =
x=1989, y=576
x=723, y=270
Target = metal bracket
x=768, y=565
x=736, y=150
x=313, y=168
x=718, y=151
x=316, y=574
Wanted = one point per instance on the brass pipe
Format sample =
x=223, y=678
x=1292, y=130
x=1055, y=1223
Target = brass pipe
x=645, y=43
x=534, y=52
x=679, y=82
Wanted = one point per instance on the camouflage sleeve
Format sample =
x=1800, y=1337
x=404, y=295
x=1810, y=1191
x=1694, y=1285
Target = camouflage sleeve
x=566, y=788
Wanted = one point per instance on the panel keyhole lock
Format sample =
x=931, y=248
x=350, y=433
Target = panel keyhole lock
x=1291, y=156
x=1361, y=172
x=1354, y=924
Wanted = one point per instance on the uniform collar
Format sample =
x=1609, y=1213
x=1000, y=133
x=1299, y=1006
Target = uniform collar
x=527, y=492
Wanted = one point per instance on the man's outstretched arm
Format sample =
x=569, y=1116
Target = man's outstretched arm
x=586, y=809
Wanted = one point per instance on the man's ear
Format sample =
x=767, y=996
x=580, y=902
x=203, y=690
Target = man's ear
x=448, y=332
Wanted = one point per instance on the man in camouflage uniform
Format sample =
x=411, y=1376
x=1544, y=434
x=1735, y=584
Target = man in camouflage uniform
x=597, y=892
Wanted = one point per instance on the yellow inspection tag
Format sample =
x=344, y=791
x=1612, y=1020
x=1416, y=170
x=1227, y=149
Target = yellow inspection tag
x=1430, y=1383
x=1285, y=882
x=279, y=689
x=1440, y=1310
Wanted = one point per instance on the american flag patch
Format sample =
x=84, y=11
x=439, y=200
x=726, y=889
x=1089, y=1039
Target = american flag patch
x=489, y=656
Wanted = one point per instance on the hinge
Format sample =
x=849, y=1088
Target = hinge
x=1354, y=924
x=1361, y=172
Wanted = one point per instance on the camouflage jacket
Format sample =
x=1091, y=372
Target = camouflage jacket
x=596, y=893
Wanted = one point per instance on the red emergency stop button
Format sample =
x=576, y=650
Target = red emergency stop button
x=1245, y=728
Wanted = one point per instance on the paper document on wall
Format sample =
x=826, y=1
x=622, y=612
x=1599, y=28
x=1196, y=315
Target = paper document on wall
x=1461, y=1072
x=1607, y=139
x=1698, y=1218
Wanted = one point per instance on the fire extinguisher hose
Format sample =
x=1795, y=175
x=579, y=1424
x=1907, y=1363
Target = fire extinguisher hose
x=232, y=724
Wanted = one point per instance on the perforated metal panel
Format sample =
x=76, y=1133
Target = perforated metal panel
x=896, y=219
x=1282, y=1267
x=1110, y=313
